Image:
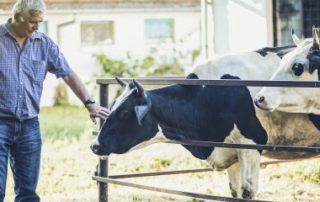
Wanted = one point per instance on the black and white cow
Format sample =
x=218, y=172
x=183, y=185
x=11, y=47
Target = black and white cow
x=181, y=112
x=302, y=64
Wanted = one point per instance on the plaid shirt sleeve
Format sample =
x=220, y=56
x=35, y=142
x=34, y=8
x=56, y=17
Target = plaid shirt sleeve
x=57, y=64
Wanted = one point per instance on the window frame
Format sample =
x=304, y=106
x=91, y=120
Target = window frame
x=151, y=37
x=110, y=24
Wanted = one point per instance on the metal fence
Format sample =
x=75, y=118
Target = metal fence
x=102, y=175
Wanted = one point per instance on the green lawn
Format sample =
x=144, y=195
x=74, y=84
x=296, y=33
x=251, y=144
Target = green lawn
x=62, y=123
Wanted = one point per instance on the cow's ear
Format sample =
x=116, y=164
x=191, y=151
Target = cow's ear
x=142, y=110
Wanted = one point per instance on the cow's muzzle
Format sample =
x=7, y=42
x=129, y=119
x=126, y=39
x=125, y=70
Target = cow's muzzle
x=95, y=147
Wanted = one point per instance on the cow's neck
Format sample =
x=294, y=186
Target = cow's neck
x=175, y=119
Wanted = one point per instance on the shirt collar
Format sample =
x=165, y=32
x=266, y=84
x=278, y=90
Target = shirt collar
x=5, y=29
x=35, y=35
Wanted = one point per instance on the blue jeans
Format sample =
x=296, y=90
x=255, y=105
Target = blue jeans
x=20, y=142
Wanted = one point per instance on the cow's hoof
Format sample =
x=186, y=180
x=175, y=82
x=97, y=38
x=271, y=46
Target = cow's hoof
x=234, y=192
x=246, y=194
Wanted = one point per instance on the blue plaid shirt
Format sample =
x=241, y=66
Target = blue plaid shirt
x=23, y=70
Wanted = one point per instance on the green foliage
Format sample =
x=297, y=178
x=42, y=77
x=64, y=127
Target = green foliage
x=61, y=97
x=195, y=55
x=130, y=67
x=147, y=66
x=113, y=67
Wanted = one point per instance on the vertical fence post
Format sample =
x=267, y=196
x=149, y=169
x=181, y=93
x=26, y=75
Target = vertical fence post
x=103, y=163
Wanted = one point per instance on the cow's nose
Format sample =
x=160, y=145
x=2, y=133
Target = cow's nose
x=95, y=147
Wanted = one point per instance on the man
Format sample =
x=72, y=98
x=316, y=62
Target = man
x=25, y=57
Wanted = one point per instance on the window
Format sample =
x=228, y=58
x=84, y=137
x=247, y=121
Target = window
x=158, y=28
x=311, y=12
x=300, y=15
x=97, y=33
x=287, y=16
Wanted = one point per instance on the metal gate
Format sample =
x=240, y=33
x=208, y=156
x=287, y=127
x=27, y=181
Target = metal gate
x=102, y=175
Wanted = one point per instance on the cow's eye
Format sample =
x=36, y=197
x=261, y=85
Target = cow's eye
x=123, y=114
x=297, y=69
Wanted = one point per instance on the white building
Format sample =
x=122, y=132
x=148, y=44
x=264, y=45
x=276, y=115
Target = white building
x=83, y=28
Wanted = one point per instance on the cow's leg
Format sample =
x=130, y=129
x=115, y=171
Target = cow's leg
x=249, y=168
x=234, y=177
x=249, y=161
x=252, y=132
x=223, y=158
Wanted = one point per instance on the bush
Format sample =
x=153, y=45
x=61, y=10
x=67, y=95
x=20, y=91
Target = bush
x=147, y=66
x=135, y=67
x=61, y=97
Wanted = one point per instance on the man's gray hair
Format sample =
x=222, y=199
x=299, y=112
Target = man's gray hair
x=31, y=7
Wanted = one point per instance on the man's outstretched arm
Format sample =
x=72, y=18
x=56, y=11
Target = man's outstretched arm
x=77, y=86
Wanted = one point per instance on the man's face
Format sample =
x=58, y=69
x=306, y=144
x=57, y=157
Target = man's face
x=29, y=24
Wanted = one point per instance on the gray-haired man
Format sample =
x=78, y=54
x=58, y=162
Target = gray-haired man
x=26, y=55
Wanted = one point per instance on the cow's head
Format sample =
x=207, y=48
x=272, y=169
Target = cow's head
x=302, y=64
x=129, y=122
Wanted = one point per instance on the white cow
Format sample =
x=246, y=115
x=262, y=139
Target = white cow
x=282, y=128
x=302, y=64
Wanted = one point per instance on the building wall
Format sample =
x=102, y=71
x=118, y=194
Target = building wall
x=241, y=25
x=232, y=26
x=64, y=29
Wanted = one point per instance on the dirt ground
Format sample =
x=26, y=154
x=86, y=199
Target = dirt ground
x=67, y=171
x=278, y=182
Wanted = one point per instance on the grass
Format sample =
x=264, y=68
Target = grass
x=68, y=164
x=62, y=123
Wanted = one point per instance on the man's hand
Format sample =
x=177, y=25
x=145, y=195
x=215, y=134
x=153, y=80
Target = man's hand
x=97, y=112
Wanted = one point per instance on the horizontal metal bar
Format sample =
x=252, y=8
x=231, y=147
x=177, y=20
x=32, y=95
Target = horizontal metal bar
x=170, y=191
x=218, y=82
x=246, y=146
x=158, y=173
x=242, y=146
x=175, y=172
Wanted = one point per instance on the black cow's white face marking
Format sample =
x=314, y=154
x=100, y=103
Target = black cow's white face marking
x=121, y=99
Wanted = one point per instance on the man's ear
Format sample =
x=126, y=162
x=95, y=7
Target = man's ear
x=18, y=18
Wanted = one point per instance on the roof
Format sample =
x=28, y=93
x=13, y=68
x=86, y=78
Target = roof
x=110, y=1
x=107, y=4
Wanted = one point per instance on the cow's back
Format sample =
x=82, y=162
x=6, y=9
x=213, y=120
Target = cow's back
x=282, y=128
x=250, y=65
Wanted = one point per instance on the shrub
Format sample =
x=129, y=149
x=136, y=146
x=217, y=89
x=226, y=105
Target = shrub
x=61, y=95
x=129, y=67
